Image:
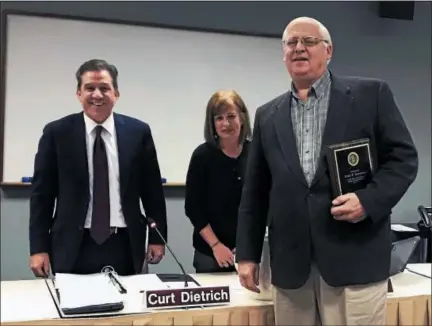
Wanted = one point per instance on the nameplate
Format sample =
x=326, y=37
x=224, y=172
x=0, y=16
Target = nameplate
x=183, y=297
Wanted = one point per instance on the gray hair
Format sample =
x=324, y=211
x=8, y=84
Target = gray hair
x=325, y=34
x=322, y=29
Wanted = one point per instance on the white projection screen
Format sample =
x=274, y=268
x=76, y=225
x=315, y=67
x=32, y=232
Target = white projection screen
x=166, y=77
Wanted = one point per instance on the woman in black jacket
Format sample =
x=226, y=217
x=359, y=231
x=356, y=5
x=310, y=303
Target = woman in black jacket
x=214, y=182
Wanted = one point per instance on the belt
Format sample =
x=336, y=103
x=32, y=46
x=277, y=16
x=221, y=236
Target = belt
x=116, y=229
x=112, y=230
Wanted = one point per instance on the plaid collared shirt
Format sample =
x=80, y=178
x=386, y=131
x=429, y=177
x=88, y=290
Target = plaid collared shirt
x=308, y=120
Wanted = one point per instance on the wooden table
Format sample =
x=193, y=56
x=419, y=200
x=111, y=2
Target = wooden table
x=30, y=303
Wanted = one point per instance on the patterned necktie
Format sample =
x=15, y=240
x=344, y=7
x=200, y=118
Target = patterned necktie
x=100, y=225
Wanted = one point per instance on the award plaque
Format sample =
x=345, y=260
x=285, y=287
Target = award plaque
x=350, y=166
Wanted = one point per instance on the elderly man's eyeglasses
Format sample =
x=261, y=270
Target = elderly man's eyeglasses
x=306, y=41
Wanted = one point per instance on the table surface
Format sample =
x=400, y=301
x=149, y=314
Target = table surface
x=36, y=298
x=26, y=300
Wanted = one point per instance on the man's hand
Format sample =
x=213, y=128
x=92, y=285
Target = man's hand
x=155, y=253
x=348, y=208
x=248, y=274
x=40, y=264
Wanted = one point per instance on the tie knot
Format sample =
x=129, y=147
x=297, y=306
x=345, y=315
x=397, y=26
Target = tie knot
x=99, y=130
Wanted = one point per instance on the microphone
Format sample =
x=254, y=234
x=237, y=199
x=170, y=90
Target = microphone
x=152, y=224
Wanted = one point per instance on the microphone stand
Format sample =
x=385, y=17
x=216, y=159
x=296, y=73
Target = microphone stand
x=152, y=225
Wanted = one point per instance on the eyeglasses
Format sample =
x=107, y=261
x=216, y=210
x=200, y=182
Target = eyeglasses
x=308, y=41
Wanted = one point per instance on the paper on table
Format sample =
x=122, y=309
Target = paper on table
x=181, y=285
x=423, y=269
x=18, y=304
x=235, y=285
x=85, y=290
x=223, y=280
x=402, y=228
x=142, y=282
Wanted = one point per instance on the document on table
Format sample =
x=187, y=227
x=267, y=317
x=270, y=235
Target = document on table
x=420, y=269
x=181, y=285
x=86, y=291
x=142, y=282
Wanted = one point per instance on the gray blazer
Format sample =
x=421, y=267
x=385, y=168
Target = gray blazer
x=301, y=228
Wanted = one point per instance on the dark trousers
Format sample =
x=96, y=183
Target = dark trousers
x=208, y=264
x=115, y=252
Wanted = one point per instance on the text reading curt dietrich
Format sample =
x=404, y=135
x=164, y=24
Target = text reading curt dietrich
x=186, y=297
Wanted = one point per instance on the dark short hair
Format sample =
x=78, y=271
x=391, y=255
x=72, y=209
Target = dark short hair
x=97, y=65
x=218, y=103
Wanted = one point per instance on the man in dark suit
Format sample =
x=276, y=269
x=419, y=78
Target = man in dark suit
x=330, y=257
x=94, y=168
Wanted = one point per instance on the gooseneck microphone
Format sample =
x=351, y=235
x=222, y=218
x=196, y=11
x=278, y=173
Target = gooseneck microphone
x=152, y=224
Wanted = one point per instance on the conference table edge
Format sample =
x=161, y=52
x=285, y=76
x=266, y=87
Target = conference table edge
x=129, y=319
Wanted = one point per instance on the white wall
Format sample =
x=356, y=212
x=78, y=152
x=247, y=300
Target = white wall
x=166, y=77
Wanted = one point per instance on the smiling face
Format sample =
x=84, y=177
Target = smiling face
x=306, y=50
x=97, y=94
x=226, y=119
x=228, y=123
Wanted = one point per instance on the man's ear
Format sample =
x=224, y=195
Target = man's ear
x=78, y=93
x=117, y=93
x=330, y=51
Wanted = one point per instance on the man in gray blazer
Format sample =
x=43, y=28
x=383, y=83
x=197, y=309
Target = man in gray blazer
x=329, y=256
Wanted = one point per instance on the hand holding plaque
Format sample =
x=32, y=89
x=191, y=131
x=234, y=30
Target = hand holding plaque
x=350, y=166
x=348, y=208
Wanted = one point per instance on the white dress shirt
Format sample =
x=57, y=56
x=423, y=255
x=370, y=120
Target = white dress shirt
x=109, y=136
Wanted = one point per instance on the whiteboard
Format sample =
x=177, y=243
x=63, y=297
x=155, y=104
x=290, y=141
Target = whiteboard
x=166, y=77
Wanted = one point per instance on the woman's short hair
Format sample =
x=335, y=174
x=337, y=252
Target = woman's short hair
x=217, y=104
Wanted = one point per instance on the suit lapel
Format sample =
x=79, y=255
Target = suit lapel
x=286, y=137
x=340, y=105
x=125, y=146
x=77, y=143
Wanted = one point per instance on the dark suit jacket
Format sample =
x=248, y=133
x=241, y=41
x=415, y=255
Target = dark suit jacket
x=61, y=175
x=298, y=216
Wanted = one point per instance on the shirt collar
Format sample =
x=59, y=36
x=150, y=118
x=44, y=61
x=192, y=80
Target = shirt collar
x=108, y=124
x=319, y=87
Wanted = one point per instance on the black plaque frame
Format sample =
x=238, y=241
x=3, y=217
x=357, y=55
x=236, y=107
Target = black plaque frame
x=336, y=175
